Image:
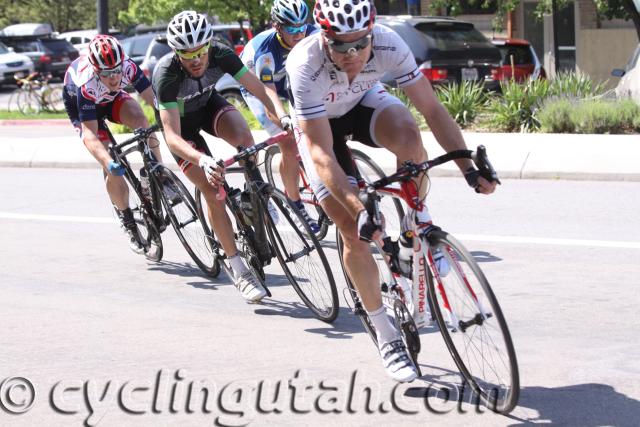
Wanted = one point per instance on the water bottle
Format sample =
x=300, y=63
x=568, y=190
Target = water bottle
x=405, y=252
x=145, y=184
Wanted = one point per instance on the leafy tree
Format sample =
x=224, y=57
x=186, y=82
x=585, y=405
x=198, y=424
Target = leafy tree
x=62, y=15
x=623, y=9
x=455, y=7
x=157, y=11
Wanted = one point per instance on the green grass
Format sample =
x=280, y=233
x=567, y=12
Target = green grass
x=593, y=116
x=16, y=115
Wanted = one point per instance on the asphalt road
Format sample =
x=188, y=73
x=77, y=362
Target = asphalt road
x=107, y=338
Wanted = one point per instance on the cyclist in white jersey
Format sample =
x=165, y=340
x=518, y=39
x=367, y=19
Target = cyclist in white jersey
x=335, y=84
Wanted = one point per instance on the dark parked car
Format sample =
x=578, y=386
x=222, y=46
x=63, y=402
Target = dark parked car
x=48, y=54
x=135, y=47
x=525, y=61
x=448, y=50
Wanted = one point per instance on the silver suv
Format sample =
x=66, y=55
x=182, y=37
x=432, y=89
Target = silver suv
x=227, y=86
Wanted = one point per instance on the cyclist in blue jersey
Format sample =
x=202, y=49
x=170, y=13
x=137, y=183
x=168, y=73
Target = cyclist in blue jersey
x=265, y=55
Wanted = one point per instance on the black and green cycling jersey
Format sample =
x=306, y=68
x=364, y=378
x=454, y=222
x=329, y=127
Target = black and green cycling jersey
x=175, y=88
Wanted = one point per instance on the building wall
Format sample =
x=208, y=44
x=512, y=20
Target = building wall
x=598, y=51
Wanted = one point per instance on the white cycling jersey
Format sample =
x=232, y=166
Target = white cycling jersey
x=320, y=89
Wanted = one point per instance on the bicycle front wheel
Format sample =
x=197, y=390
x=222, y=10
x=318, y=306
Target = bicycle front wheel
x=189, y=225
x=472, y=324
x=301, y=257
x=272, y=161
x=28, y=102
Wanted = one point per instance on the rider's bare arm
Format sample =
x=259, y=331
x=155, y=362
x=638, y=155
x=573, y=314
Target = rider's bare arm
x=318, y=134
x=93, y=143
x=272, y=93
x=170, y=119
x=444, y=128
x=147, y=95
x=257, y=89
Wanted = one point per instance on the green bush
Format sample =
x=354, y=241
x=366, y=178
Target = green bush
x=591, y=116
x=515, y=110
x=556, y=117
x=463, y=101
x=574, y=85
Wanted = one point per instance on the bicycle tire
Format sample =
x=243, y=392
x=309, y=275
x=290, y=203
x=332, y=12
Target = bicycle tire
x=394, y=306
x=272, y=158
x=28, y=102
x=470, y=321
x=296, y=246
x=190, y=227
x=54, y=101
x=244, y=239
x=389, y=206
x=147, y=229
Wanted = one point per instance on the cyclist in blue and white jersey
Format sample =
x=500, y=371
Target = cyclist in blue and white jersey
x=266, y=55
x=94, y=92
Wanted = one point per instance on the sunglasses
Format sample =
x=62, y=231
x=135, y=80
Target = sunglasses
x=110, y=72
x=349, y=47
x=194, y=54
x=290, y=29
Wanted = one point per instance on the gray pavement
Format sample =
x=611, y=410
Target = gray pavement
x=107, y=338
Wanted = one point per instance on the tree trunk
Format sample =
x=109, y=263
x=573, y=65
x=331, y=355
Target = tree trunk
x=633, y=12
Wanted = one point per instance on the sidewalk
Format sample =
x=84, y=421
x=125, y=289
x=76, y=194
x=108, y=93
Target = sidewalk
x=547, y=156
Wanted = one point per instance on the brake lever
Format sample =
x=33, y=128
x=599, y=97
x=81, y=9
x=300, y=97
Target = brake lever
x=485, y=168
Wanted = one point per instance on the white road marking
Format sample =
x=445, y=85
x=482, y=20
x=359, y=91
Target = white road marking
x=465, y=237
x=57, y=218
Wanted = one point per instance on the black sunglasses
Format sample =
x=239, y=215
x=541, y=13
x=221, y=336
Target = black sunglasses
x=349, y=47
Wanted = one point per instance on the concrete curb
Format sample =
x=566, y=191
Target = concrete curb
x=520, y=156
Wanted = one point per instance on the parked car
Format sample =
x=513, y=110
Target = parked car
x=448, y=50
x=48, y=54
x=80, y=39
x=135, y=47
x=525, y=61
x=236, y=36
x=12, y=63
x=629, y=84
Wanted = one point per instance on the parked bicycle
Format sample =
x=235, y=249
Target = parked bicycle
x=159, y=198
x=453, y=290
x=35, y=94
x=366, y=167
x=261, y=236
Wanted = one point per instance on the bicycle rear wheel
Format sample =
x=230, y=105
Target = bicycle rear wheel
x=390, y=299
x=272, y=160
x=54, y=99
x=301, y=257
x=473, y=326
x=149, y=233
x=191, y=228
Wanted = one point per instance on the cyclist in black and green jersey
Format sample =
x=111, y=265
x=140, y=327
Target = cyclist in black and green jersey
x=187, y=102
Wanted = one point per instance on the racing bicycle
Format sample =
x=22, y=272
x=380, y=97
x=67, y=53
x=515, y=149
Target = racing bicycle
x=163, y=201
x=452, y=291
x=261, y=235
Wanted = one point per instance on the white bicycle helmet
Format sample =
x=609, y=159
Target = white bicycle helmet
x=289, y=12
x=344, y=16
x=188, y=30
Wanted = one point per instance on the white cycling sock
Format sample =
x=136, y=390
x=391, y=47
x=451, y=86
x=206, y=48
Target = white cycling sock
x=385, y=329
x=237, y=265
x=423, y=216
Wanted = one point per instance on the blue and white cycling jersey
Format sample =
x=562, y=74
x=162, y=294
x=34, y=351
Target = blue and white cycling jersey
x=265, y=56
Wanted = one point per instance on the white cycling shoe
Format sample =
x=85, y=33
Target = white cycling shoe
x=250, y=287
x=397, y=362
